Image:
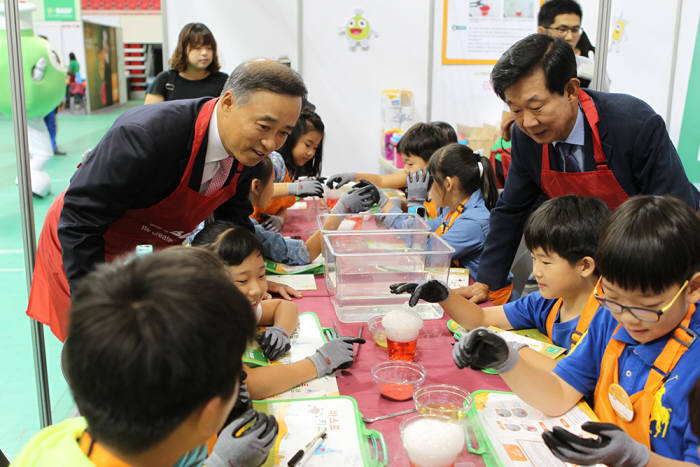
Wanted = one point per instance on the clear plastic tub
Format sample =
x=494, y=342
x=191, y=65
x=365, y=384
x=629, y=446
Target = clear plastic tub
x=372, y=222
x=360, y=267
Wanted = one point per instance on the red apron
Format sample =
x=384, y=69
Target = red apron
x=600, y=183
x=164, y=224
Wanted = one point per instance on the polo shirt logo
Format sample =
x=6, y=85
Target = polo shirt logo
x=660, y=414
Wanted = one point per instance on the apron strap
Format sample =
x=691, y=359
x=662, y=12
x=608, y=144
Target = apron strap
x=451, y=217
x=552, y=317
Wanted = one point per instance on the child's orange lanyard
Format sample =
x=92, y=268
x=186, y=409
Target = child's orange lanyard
x=451, y=217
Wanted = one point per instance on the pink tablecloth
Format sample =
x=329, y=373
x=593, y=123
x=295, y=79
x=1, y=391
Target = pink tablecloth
x=434, y=352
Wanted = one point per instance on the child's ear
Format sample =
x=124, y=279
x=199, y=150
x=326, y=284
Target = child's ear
x=449, y=183
x=256, y=186
x=211, y=416
x=586, y=266
x=693, y=291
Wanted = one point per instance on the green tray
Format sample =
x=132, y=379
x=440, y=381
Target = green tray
x=275, y=268
x=477, y=435
x=370, y=448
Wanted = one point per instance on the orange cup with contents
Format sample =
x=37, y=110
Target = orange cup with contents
x=402, y=328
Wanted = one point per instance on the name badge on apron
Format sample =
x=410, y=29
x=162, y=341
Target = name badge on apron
x=620, y=401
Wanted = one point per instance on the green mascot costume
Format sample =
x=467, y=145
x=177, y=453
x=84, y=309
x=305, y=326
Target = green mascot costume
x=44, y=88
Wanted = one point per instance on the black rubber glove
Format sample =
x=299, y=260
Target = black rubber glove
x=612, y=447
x=432, y=291
x=481, y=348
x=274, y=342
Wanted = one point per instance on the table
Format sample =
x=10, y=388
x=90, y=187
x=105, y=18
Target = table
x=434, y=352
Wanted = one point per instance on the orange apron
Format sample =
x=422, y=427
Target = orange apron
x=276, y=204
x=103, y=458
x=449, y=220
x=431, y=209
x=97, y=454
x=642, y=401
x=583, y=321
x=166, y=223
x=600, y=183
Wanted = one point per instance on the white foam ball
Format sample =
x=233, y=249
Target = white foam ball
x=402, y=325
x=432, y=442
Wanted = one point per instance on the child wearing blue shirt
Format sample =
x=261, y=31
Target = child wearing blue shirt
x=639, y=358
x=275, y=247
x=463, y=186
x=562, y=235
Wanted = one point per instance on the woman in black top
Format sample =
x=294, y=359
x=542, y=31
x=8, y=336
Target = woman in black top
x=194, y=68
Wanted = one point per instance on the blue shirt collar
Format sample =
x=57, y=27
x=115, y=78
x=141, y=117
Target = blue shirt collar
x=474, y=199
x=578, y=133
x=649, y=351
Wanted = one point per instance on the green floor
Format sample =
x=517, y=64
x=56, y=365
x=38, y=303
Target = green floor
x=18, y=397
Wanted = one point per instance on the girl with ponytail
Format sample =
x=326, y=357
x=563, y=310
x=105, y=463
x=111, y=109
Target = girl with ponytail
x=464, y=188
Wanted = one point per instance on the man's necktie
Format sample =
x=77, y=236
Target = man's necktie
x=220, y=176
x=570, y=162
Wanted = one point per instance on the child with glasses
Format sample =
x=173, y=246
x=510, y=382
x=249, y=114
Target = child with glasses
x=639, y=359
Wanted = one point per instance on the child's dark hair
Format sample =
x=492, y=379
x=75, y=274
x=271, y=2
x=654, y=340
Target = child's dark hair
x=473, y=171
x=650, y=243
x=263, y=170
x=231, y=243
x=448, y=132
x=422, y=140
x=568, y=226
x=152, y=340
x=308, y=121
x=694, y=408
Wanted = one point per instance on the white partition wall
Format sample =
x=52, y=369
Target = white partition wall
x=243, y=29
x=345, y=84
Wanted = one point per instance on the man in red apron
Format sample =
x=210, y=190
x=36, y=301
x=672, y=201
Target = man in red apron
x=569, y=141
x=156, y=174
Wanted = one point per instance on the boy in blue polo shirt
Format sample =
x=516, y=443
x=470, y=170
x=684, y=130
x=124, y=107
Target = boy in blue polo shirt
x=562, y=235
x=639, y=358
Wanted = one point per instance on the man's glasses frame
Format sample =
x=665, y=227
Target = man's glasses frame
x=563, y=30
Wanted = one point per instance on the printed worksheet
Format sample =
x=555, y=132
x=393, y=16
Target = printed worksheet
x=300, y=420
x=514, y=428
x=545, y=348
x=297, y=281
x=459, y=277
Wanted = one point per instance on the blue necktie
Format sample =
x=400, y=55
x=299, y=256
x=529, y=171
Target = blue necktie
x=570, y=162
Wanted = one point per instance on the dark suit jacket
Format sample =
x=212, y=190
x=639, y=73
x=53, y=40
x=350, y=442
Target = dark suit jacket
x=637, y=149
x=138, y=162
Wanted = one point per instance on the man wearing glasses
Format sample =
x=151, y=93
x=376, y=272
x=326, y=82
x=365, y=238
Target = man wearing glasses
x=561, y=19
x=568, y=140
